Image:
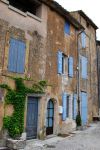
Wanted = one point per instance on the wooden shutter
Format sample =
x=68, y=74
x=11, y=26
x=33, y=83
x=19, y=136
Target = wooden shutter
x=70, y=66
x=84, y=107
x=74, y=106
x=59, y=55
x=16, y=60
x=64, y=104
x=12, y=61
x=83, y=38
x=67, y=28
x=21, y=57
x=84, y=67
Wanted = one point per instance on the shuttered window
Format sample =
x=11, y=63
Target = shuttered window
x=83, y=39
x=59, y=55
x=64, y=104
x=84, y=67
x=67, y=28
x=16, y=60
x=70, y=66
x=74, y=106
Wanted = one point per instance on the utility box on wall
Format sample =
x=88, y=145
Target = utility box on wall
x=60, y=109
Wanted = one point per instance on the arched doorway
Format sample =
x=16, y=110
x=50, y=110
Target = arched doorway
x=50, y=117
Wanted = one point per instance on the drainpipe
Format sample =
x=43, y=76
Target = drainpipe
x=78, y=71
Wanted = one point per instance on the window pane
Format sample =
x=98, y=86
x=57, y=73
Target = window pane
x=50, y=122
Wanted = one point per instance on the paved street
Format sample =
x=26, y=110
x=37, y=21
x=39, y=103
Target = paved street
x=89, y=139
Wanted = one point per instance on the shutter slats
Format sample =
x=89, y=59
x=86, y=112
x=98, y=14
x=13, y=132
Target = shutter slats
x=59, y=55
x=67, y=28
x=83, y=38
x=75, y=106
x=84, y=67
x=64, y=104
x=16, y=60
x=12, y=61
x=21, y=57
x=70, y=66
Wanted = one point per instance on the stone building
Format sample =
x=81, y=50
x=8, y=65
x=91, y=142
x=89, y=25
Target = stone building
x=42, y=44
x=88, y=81
x=98, y=67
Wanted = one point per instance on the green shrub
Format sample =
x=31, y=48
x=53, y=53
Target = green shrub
x=78, y=120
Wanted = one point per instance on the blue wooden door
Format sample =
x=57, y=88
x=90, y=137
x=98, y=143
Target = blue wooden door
x=32, y=117
x=84, y=108
x=50, y=117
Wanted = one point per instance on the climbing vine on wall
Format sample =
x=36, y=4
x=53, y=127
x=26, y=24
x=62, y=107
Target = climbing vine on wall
x=15, y=123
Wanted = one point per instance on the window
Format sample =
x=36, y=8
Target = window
x=62, y=63
x=83, y=39
x=67, y=107
x=67, y=28
x=83, y=67
x=27, y=6
x=16, y=59
x=66, y=103
x=70, y=66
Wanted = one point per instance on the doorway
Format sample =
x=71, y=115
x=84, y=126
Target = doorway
x=50, y=117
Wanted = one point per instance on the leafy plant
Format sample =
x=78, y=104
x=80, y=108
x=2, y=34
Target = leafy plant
x=15, y=123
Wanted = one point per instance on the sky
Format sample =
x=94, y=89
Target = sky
x=90, y=7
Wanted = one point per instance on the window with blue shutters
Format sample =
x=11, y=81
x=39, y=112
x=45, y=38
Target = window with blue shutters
x=83, y=39
x=59, y=55
x=64, y=104
x=84, y=67
x=67, y=28
x=70, y=66
x=62, y=63
x=16, y=61
x=74, y=106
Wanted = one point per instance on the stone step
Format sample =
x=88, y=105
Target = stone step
x=4, y=148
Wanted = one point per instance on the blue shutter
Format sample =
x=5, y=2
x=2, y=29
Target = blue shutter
x=64, y=104
x=21, y=57
x=12, y=61
x=67, y=28
x=74, y=106
x=59, y=62
x=83, y=38
x=84, y=67
x=70, y=66
x=84, y=107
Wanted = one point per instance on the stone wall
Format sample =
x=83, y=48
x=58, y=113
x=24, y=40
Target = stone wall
x=91, y=84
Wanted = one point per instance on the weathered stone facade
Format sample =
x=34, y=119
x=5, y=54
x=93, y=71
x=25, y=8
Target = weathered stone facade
x=98, y=65
x=44, y=36
x=91, y=84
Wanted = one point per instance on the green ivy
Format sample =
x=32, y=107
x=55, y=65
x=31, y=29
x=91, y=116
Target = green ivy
x=15, y=123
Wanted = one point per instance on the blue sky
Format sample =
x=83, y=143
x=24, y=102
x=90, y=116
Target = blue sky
x=90, y=7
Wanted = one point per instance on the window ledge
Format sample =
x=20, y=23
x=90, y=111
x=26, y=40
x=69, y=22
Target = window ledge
x=33, y=16
x=5, y=1
x=17, y=10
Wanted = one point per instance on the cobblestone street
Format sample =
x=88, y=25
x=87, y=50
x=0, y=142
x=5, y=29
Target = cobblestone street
x=88, y=139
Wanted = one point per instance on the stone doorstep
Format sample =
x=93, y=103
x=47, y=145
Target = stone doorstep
x=4, y=148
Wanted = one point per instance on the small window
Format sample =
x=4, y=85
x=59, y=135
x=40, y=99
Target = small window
x=16, y=59
x=70, y=66
x=84, y=67
x=67, y=28
x=62, y=63
x=83, y=39
x=67, y=108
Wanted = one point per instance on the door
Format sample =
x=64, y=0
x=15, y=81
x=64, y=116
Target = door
x=32, y=117
x=50, y=117
x=84, y=108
